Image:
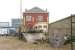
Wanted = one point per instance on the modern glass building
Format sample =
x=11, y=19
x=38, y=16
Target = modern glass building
x=16, y=22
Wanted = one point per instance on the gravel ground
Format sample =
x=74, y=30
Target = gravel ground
x=12, y=43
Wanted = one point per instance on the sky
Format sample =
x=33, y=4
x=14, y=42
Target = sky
x=58, y=9
x=9, y=9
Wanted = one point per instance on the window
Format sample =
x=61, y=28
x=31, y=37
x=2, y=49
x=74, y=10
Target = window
x=28, y=18
x=36, y=27
x=45, y=26
x=40, y=18
x=39, y=26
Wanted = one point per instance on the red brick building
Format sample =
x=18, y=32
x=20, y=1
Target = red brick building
x=34, y=16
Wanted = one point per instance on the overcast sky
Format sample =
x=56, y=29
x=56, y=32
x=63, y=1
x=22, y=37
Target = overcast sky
x=57, y=9
x=9, y=9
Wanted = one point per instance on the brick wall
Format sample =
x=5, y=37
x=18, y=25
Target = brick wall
x=34, y=17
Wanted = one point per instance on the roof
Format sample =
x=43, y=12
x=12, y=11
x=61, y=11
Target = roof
x=60, y=20
x=73, y=15
x=35, y=10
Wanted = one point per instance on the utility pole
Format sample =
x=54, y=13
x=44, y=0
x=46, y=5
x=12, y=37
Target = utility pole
x=19, y=29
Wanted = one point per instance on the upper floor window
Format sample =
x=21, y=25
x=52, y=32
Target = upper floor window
x=45, y=26
x=39, y=26
x=40, y=18
x=28, y=18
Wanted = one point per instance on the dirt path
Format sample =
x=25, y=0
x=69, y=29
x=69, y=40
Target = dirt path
x=12, y=43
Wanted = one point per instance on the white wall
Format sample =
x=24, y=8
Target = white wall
x=42, y=24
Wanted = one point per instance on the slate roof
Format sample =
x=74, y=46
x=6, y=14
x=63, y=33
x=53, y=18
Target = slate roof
x=36, y=10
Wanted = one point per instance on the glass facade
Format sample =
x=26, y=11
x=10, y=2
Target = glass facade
x=16, y=22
